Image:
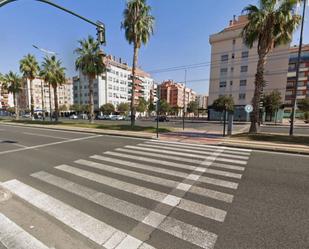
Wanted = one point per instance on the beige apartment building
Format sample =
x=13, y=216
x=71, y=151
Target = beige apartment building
x=233, y=68
x=41, y=89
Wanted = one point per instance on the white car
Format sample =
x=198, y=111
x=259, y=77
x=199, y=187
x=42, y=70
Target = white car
x=117, y=117
x=73, y=116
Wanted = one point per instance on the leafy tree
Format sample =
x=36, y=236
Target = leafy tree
x=54, y=74
x=63, y=108
x=224, y=103
x=272, y=102
x=164, y=107
x=193, y=107
x=107, y=109
x=303, y=105
x=90, y=63
x=138, y=25
x=13, y=83
x=11, y=110
x=151, y=107
x=76, y=108
x=272, y=23
x=123, y=108
x=29, y=67
x=142, y=105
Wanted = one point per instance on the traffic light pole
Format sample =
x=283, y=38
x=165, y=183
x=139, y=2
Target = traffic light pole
x=297, y=71
x=100, y=26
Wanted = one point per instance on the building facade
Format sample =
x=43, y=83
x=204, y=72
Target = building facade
x=233, y=68
x=176, y=94
x=114, y=85
x=303, y=81
x=44, y=97
x=202, y=101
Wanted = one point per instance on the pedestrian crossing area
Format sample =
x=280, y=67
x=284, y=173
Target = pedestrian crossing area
x=155, y=194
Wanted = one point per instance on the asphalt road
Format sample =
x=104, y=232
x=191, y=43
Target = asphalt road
x=78, y=191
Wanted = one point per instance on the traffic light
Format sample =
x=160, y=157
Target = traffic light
x=100, y=33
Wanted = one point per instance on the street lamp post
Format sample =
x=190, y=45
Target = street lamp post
x=297, y=70
x=184, y=101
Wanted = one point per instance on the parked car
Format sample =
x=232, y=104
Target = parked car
x=117, y=117
x=83, y=116
x=73, y=116
x=162, y=119
x=27, y=115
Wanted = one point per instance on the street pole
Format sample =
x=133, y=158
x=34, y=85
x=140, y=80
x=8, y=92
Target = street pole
x=297, y=71
x=224, y=122
x=184, y=101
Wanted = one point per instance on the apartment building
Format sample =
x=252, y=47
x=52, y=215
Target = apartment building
x=202, y=101
x=173, y=93
x=42, y=97
x=303, y=81
x=114, y=85
x=233, y=68
x=6, y=99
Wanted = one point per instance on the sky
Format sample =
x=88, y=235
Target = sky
x=181, y=34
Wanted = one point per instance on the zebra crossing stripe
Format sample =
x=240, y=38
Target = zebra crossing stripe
x=192, y=152
x=138, y=213
x=167, y=163
x=215, y=172
x=13, y=236
x=193, y=176
x=227, y=166
x=165, y=182
x=187, y=205
x=202, y=146
x=88, y=226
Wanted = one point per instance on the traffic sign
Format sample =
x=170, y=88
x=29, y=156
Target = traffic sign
x=248, y=108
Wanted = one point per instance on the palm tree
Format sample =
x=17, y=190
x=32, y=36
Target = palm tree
x=138, y=25
x=90, y=63
x=30, y=68
x=13, y=85
x=53, y=73
x=271, y=24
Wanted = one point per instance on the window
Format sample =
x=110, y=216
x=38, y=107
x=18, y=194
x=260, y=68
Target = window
x=110, y=86
x=222, y=84
x=232, y=69
x=243, y=69
x=231, y=83
x=242, y=96
x=234, y=42
x=233, y=56
x=245, y=54
x=225, y=57
x=223, y=70
x=243, y=82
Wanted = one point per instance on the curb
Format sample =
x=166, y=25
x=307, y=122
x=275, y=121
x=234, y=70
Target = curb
x=273, y=149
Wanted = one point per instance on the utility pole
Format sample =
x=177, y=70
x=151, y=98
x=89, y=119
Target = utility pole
x=297, y=70
x=184, y=101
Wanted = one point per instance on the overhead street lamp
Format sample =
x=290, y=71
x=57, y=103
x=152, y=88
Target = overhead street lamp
x=99, y=25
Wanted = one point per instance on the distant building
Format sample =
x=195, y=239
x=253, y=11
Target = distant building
x=303, y=81
x=114, y=85
x=233, y=68
x=42, y=97
x=202, y=101
x=6, y=99
x=173, y=93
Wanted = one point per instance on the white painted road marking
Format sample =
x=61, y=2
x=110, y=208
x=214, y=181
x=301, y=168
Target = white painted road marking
x=125, y=208
x=13, y=236
x=44, y=135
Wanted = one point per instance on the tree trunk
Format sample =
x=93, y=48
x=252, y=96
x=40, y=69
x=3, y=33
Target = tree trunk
x=56, y=103
x=16, y=106
x=50, y=103
x=135, y=58
x=91, y=101
x=31, y=99
x=259, y=83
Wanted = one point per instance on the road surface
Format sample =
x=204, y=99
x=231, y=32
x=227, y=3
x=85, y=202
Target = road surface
x=78, y=191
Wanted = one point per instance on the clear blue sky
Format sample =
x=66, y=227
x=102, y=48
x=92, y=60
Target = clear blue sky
x=181, y=33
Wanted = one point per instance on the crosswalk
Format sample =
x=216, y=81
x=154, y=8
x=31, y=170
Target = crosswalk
x=149, y=195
